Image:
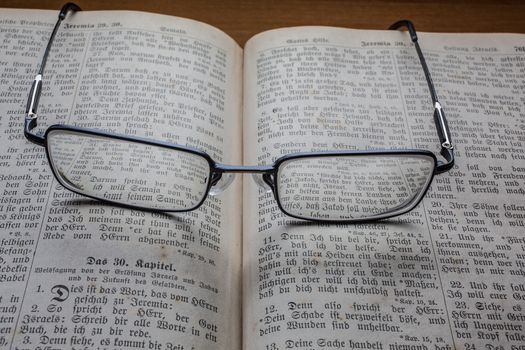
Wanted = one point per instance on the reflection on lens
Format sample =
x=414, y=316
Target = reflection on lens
x=353, y=187
x=127, y=172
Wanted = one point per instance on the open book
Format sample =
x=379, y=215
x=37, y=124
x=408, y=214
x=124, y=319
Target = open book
x=237, y=273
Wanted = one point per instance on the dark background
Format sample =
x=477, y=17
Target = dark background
x=243, y=19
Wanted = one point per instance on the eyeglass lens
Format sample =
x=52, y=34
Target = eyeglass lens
x=352, y=186
x=126, y=172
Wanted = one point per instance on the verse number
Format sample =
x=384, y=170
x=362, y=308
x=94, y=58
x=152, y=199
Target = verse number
x=455, y=284
x=460, y=305
x=269, y=309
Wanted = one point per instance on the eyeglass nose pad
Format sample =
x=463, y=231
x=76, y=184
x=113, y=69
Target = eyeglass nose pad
x=258, y=178
x=219, y=185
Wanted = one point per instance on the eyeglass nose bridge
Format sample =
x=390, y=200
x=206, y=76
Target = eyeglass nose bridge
x=223, y=175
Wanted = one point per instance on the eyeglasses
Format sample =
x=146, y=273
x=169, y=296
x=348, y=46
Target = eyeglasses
x=336, y=186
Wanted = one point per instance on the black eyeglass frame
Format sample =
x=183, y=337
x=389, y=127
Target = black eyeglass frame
x=268, y=172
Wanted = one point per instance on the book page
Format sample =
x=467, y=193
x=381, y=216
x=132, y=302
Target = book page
x=447, y=275
x=79, y=274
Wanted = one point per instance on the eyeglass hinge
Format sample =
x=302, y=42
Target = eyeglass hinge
x=443, y=126
x=31, y=116
x=35, y=95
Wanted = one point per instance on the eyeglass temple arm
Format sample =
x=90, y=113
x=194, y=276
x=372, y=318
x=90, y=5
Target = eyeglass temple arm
x=447, y=149
x=36, y=88
x=439, y=115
